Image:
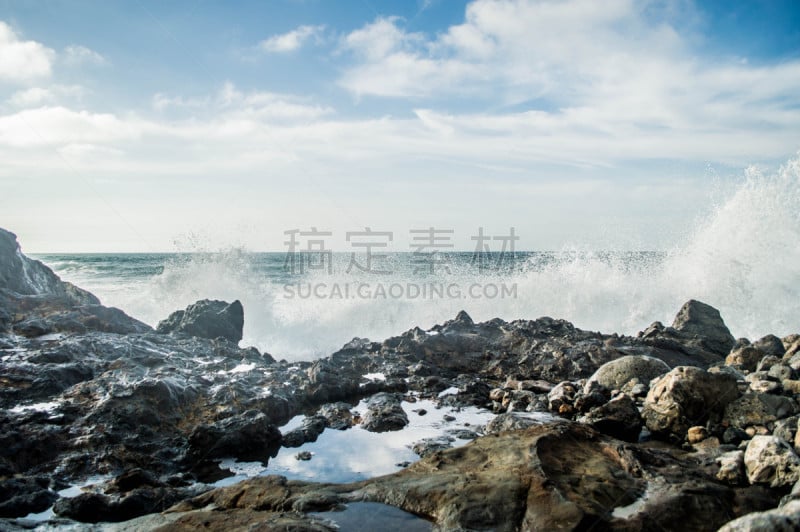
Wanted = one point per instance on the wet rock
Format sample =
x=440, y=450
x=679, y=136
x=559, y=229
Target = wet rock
x=618, y=418
x=21, y=496
x=384, y=413
x=96, y=507
x=549, y=477
x=615, y=374
x=311, y=428
x=429, y=446
x=770, y=460
x=337, y=415
x=248, y=436
x=28, y=277
x=516, y=421
x=304, y=456
x=207, y=319
x=684, y=397
x=133, y=479
x=758, y=409
x=731, y=468
x=783, y=519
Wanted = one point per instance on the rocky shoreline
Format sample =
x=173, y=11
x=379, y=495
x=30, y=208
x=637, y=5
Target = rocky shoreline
x=682, y=427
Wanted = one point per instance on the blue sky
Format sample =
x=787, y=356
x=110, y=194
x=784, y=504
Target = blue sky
x=148, y=126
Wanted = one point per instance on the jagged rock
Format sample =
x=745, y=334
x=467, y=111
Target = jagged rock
x=704, y=321
x=613, y=375
x=384, y=413
x=207, y=319
x=517, y=421
x=96, y=507
x=28, y=277
x=783, y=519
x=311, y=428
x=248, y=436
x=770, y=460
x=21, y=496
x=337, y=415
x=429, y=446
x=684, y=397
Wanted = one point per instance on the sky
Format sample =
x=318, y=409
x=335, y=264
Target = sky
x=164, y=126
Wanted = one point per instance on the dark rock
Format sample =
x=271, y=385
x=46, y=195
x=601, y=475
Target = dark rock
x=704, y=321
x=21, y=496
x=96, y=507
x=770, y=345
x=304, y=456
x=207, y=319
x=384, y=413
x=28, y=277
x=618, y=418
x=311, y=428
x=248, y=436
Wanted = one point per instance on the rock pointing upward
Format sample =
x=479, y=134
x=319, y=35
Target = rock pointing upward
x=207, y=319
x=704, y=321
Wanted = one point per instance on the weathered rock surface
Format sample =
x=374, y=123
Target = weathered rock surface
x=770, y=460
x=207, y=319
x=783, y=519
x=687, y=396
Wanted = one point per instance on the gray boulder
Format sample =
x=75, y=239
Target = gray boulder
x=758, y=409
x=384, y=413
x=704, y=322
x=613, y=375
x=207, y=319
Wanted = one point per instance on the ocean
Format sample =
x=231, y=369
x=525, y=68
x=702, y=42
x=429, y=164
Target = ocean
x=743, y=258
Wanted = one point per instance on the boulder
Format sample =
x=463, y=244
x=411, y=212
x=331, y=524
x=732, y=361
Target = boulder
x=337, y=415
x=704, y=321
x=684, y=397
x=618, y=418
x=311, y=428
x=207, y=319
x=615, y=374
x=248, y=436
x=758, y=409
x=770, y=460
x=745, y=358
x=770, y=345
x=384, y=413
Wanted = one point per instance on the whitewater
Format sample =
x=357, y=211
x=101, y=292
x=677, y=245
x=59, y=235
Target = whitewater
x=742, y=257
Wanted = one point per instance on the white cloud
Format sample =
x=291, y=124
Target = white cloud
x=22, y=61
x=55, y=126
x=293, y=40
x=36, y=96
x=81, y=55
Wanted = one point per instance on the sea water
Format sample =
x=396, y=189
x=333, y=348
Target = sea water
x=743, y=257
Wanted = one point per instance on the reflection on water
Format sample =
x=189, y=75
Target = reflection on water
x=356, y=454
x=375, y=516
